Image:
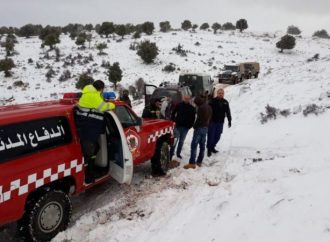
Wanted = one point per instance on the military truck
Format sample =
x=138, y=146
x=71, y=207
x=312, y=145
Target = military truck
x=233, y=74
x=250, y=69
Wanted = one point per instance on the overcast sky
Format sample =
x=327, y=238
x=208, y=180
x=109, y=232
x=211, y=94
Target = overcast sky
x=263, y=15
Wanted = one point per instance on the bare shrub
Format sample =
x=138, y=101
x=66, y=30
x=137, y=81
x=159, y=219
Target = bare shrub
x=312, y=109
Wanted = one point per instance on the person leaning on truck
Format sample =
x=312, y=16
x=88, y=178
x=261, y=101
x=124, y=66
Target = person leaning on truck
x=90, y=121
x=153, y=109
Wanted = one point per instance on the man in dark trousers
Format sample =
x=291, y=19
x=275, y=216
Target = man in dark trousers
x=220, y=110
x=204, y=113
x=90, y=123
x=184, y=117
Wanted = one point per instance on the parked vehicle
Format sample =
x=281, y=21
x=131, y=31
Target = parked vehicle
x=198, y=83
x=42, y=165
x=233, y=74
x=250, y=69
x=166, y=89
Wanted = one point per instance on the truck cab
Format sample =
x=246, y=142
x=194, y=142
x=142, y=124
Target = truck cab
x=42, y=165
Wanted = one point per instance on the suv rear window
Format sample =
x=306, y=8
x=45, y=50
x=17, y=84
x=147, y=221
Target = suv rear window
x=165, y=93
x=32, y=136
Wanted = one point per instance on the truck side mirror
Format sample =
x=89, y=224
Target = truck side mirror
x=138, y=124
x=139, y=121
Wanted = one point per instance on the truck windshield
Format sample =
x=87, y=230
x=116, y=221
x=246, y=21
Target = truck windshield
x=231, y=68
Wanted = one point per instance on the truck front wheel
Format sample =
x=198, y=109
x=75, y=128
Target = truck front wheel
x=165, y=156
x=161, y=158
x=49, y=215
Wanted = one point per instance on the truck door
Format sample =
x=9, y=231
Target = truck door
x=119, y=155
x=148, y=91
x=135, y=135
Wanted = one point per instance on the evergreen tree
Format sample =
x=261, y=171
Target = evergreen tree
x=204, y=26
x=106, y=29
x=50, y=36
x=228, y=26
x=147, y=51
x=101, y=47
x=115, y=74
x=121, y=30
x=81, y=39
x=287, y=42
x=84, y=79
x=186, y=24
x=89, y=39
x=241, y=24
x=51, y=40
x=9, y=45
x=130, y=28
x=216, y=27
x=165, y=26
x=88, y=27
x=137, y=35
x=6, y=65
x=4, y=30
x=148, y=28
x=293, y=30
x=49, y=30
x=29, y=30
x=194, y=27
x=321, y=34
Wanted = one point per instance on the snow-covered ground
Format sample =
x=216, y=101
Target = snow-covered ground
x=269, y=182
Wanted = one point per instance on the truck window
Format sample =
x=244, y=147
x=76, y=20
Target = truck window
x=125, y=117
x=232, y=68
x=165, y=93
x=33, y=136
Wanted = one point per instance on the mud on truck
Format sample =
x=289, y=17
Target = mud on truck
x=42, y=164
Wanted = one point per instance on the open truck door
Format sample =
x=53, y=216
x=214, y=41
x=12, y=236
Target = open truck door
x=148, y=91
x=119, y=156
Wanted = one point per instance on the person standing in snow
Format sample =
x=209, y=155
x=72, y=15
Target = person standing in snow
x=204, y=114
x=220, y=110
x=125, y=98
x=166, y=108
x=184, y=117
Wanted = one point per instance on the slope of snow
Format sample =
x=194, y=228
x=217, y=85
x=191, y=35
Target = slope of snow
x=269, y=182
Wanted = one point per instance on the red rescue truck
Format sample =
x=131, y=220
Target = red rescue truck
x=42, y=165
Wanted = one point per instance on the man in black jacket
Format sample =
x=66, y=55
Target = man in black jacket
x=204, y=114
x=220, y=110
x=183, y=115
x=153, y=109
x=125, y=98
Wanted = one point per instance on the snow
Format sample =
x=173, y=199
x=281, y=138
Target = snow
x=269, y=182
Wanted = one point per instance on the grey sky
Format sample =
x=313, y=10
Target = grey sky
x=272, y=15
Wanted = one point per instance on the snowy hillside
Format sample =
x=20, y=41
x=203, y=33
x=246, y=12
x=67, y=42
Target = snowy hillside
x=269, y=182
